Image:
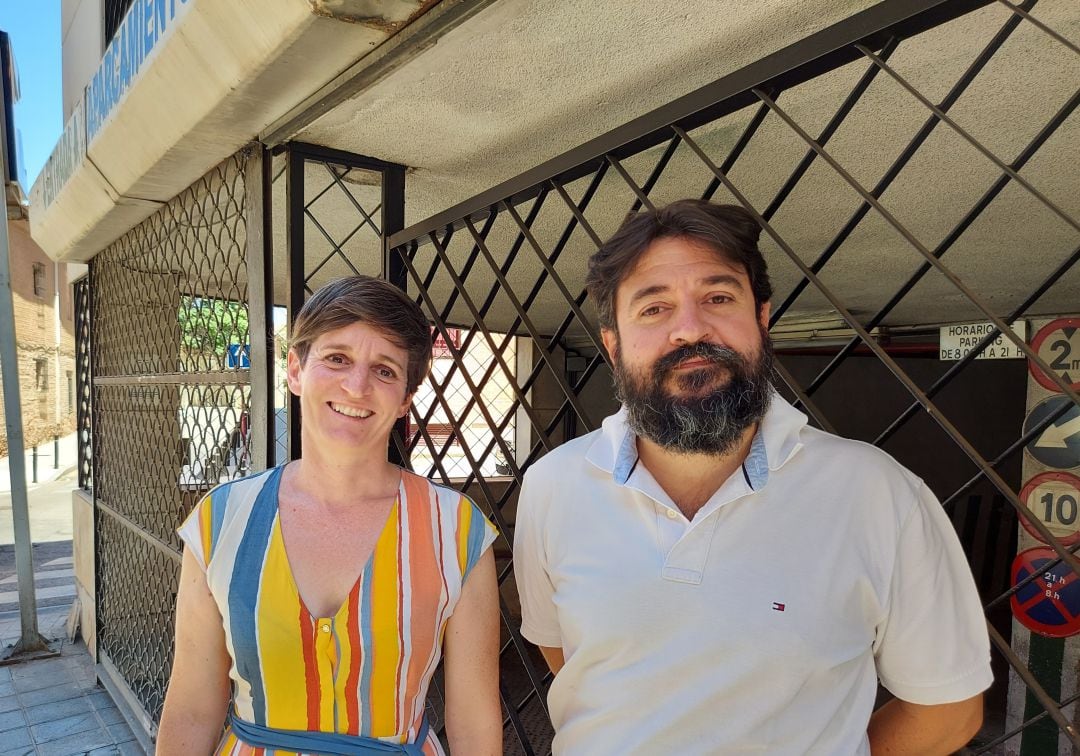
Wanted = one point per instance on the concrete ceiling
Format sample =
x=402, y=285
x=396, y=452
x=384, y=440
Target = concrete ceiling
x=523, y=81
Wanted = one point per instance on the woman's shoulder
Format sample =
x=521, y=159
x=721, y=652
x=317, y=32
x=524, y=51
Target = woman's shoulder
x=222, y=510
x=440, y=495
x=453, y=505
x=460, y=519
x=237, y=489
x=235, y=498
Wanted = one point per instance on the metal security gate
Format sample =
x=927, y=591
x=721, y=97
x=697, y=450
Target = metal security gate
x=172, y=404
x=892, y=201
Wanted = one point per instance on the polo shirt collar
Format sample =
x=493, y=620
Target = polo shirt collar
x=776, y=441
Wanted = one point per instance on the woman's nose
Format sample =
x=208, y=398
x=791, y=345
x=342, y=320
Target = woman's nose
x=356, y=380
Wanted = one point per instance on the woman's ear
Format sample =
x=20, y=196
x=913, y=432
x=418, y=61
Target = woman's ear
x=292, y=373
x=404, y=409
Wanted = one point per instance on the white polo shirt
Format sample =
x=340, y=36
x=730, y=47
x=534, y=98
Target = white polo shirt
x=762, y=625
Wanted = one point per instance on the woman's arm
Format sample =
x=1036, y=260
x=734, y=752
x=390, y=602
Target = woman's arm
x=471, y=665
x=194, y=713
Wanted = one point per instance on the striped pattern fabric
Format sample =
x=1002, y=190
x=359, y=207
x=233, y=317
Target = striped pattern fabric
x=365, y=670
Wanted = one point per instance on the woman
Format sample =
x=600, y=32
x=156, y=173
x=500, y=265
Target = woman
x=316, y=596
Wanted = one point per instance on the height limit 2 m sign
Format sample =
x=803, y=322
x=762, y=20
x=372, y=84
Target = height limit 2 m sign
x=1058, y=345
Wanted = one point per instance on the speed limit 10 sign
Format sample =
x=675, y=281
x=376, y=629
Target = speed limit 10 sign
x=1054, y=498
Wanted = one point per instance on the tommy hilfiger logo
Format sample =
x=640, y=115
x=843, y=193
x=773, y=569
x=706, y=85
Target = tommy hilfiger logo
x=777, y=607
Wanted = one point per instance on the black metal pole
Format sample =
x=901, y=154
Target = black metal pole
x=393, y=220
x=294, y=271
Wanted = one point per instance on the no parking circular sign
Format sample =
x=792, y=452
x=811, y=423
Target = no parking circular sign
x=1058, y=345
x=1050, y=604
x=1053, y=498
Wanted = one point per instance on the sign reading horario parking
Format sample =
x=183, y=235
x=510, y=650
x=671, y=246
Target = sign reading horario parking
x=957, y=341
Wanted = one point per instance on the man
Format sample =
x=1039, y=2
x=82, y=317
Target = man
x=707, y=573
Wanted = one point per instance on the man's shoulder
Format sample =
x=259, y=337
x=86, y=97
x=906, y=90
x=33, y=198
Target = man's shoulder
x=828, y=450
x=569, y=457
x=567, y=467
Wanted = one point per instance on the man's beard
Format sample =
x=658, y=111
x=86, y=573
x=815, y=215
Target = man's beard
x=698, y=423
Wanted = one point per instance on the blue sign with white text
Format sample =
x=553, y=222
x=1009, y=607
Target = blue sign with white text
x=145, y=25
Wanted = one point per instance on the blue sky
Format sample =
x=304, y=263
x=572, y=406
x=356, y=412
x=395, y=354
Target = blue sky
x=34, y=28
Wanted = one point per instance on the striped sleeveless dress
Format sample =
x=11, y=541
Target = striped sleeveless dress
x=364, y=671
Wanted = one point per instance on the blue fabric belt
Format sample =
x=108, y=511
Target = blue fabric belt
x=328, y=743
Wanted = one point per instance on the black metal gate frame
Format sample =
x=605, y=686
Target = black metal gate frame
x=871, y=36
x=298, y=214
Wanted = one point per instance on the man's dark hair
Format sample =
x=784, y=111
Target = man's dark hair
x=381, y=305
x=729, y=230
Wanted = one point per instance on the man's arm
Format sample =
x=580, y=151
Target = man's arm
x=933, y=645
x=539, y=618
x=900, y=727
x=553, y=657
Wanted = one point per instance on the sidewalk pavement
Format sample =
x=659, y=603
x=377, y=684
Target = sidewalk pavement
x=47, y=469
x=55, y=707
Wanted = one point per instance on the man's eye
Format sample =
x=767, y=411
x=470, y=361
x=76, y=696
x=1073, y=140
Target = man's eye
x=387, y=373
x=650, y=311
x=720, y=298
x=336, y=359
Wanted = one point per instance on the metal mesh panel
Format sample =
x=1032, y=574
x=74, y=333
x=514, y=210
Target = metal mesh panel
x=136, y=608
x=82, y=383
x=892, y=201
x=454, y=421
x=171, y=400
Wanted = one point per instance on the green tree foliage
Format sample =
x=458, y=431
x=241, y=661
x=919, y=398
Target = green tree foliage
x=208, y=326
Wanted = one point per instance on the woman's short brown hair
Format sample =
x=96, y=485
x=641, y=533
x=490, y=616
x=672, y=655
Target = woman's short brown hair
x=381, y=305
x=728, y=230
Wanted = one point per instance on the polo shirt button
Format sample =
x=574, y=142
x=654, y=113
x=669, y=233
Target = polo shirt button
x=671, y=514
x=326, y=628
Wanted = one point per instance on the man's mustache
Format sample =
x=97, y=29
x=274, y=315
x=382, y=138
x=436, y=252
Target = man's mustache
x=713, y=353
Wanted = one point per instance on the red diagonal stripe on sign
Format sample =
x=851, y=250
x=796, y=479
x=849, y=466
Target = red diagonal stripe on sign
x=1053, y=591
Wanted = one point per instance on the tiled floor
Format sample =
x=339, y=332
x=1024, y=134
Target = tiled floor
x=54, y=707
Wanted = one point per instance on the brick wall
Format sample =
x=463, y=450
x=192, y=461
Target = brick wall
x=46, y=368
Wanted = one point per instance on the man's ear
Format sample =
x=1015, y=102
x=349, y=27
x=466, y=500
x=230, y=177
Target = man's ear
x=292, y=372
x=763, y=315
x=610, y=337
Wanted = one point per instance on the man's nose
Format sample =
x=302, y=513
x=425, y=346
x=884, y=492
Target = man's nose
x=689, y=327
